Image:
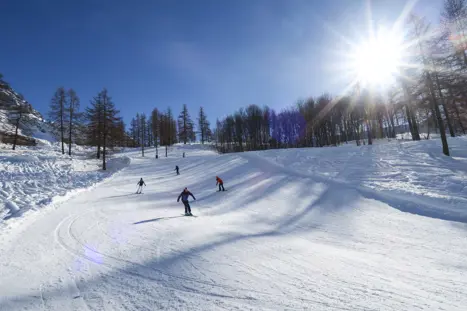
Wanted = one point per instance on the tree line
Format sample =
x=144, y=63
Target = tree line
x=429, y=95
x=161, y=129
x=99, y=125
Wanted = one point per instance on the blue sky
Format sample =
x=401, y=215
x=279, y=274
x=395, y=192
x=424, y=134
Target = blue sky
x=218, y=54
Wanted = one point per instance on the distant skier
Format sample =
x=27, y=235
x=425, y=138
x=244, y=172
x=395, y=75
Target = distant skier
x=184, y=195
x=140, y=186
x=220, y=183
x=176, y=168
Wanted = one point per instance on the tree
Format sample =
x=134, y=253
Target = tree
x=109, y=122
x=134, y=125
x=94, y=117
x=168, y=130
x=18, y=117
x=104, y=124
x=185, y=126
x=203, y=125
x=72, y=108
x=143, y=132
x=420, y=29
x=57, y=114
x=150, y=140
x=453, y=18
x=156, y=120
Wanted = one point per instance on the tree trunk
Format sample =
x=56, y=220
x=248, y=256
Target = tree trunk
x=143, y=133
x=71, y=125
x=104, y=138
x=393, y=128
x=15, y=140
x=459, y=119
x=61, y=126
x=370, y=136
x=434, y=104
x=427, y=125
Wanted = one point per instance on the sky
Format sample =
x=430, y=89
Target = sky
x=219, y=54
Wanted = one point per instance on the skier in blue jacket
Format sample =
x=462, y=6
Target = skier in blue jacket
x=184, y=195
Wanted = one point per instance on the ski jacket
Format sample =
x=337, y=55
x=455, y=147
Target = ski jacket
x=141, y=183
x=219, y=181
x=184, y=195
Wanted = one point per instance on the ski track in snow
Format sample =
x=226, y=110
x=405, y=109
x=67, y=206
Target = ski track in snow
x=300, y=229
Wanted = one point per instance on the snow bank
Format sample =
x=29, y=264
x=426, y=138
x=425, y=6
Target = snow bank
x=413, y=177
x=32, y=177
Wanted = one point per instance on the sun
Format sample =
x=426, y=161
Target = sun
x=378, y=60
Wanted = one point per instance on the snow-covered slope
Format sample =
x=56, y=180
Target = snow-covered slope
x=31, y=178
x=303, y=229
x=34, y=125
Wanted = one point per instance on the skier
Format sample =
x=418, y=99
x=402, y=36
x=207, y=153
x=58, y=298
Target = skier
x=176, y=168
x=184, y=195
x=220, y=183
x=140, y=185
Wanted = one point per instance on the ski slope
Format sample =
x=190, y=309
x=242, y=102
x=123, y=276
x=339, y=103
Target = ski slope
x=378, y=227
x=34, y=177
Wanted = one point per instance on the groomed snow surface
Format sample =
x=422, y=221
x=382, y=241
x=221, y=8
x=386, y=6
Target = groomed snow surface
x=379, y=227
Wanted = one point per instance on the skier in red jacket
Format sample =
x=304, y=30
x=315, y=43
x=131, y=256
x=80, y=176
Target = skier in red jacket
x=220, y=183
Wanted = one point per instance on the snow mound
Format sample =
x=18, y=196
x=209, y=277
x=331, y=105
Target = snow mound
x=413, y=177
x=31, y=177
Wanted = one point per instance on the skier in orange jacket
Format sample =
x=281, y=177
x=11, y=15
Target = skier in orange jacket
x=220, y=183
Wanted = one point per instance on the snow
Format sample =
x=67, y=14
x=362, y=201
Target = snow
x=35, y=127
x=378, y=227
x=31, y=178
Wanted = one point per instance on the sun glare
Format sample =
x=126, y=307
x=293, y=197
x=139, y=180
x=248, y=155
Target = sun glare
x=377, y=61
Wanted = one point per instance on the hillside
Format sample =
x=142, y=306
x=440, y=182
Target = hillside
x=33, y=130
x=379, y=227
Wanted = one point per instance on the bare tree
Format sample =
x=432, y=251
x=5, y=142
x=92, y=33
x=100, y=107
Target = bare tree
x=18, y=117
x=73, y=115
x=57, y=114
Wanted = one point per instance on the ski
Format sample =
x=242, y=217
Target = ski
x=189, y=215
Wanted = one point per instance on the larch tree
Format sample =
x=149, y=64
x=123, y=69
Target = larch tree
x=72, y=109
x=18, y=117
x=109, y=124
x=185, y=126
x=155, y=118
x=104, y=124
x=57, y=114
x=203, y=125
x=143, y=132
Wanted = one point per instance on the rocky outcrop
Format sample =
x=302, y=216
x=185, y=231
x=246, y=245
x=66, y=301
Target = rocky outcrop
x=32, y=120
